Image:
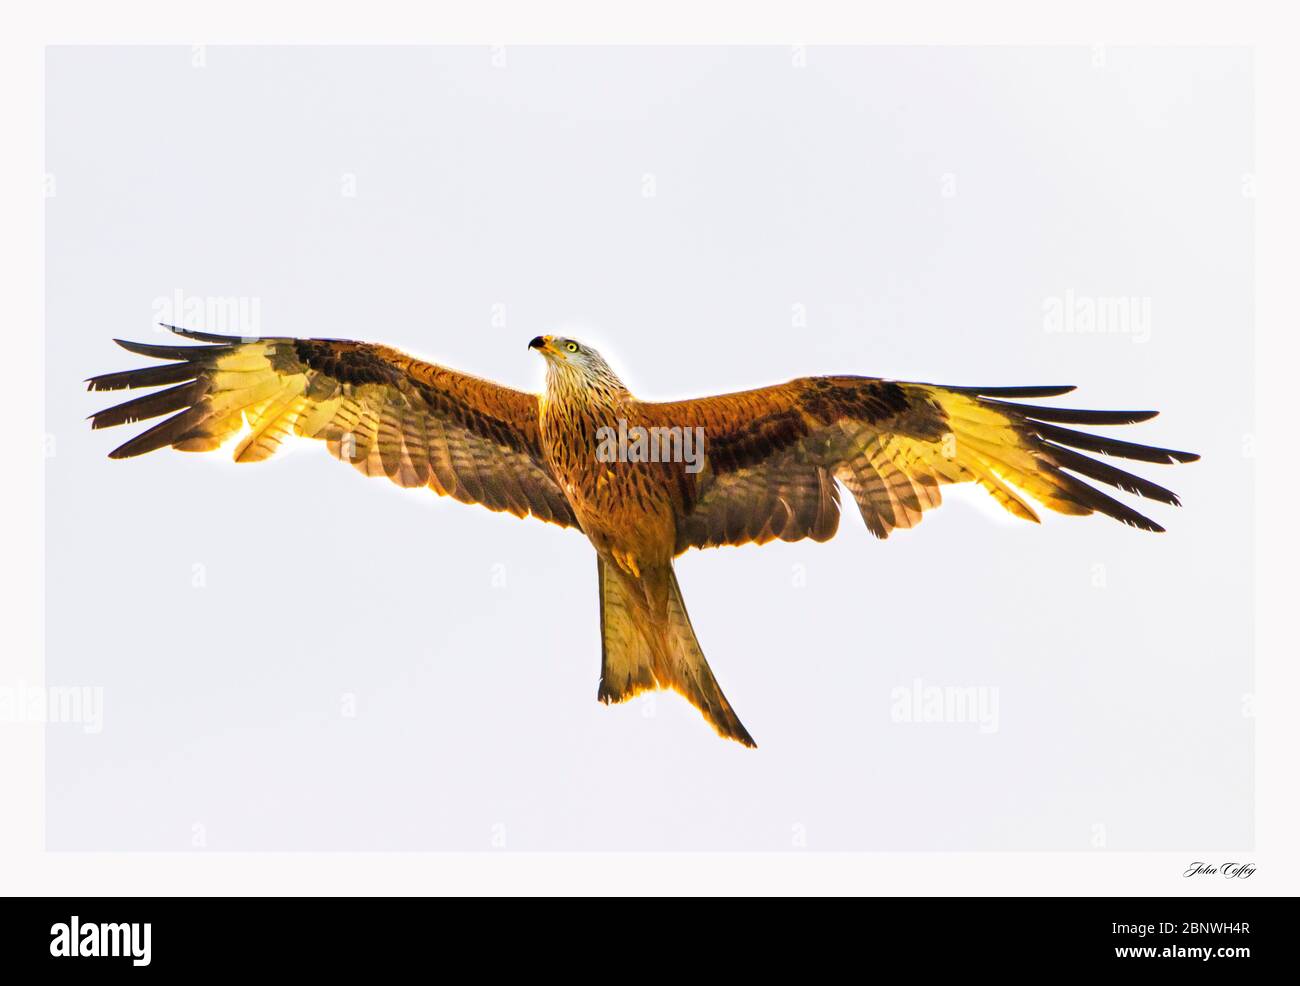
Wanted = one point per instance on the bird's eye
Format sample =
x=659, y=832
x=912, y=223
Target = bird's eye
x=571, y=347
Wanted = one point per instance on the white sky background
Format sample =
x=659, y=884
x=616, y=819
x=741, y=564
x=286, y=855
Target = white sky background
x=523, y=186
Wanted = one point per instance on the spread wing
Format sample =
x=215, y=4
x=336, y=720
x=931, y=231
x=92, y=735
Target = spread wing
x=386, y=413
x=773, y=455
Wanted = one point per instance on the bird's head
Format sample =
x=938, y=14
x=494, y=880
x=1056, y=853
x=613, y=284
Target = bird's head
x=568, y=360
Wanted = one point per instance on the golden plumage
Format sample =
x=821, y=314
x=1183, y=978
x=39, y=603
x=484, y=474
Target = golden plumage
x=766, y=467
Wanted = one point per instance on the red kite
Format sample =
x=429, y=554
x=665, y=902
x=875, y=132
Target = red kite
x=643, y=481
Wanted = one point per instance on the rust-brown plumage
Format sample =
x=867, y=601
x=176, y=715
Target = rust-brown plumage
x=769, y=466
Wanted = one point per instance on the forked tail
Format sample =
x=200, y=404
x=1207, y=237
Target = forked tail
x=647, y=643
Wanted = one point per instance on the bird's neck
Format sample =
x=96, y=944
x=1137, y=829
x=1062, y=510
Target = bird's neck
x=592, y=392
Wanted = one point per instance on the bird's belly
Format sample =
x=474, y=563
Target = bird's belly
x=626, y=512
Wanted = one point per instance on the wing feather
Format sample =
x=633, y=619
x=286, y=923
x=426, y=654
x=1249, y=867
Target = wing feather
x=383, y=411
x=770, y=452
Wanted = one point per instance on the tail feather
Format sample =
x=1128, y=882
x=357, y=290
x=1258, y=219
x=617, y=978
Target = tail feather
x=642, y=651
x=626, y=660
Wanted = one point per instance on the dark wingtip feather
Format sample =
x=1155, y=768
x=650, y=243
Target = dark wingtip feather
x=206, y=336
x=150, y=405
x=1131, y=518
x=1050, y=390
x=1092, y=497
x=166, y=432
x=172, y=352
x=1104, y=472
x=1073, y=415
x=1110, y=446
x=146, y=376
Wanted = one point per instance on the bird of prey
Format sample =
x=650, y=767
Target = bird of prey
x=741, y=468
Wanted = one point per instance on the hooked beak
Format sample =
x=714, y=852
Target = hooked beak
x=543, y=345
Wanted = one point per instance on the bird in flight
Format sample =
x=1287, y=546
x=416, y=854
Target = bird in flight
x=642, y=481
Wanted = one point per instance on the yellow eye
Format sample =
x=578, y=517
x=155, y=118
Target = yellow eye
x=571, y=347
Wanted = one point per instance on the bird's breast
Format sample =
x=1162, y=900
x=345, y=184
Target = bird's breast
x=622, y=498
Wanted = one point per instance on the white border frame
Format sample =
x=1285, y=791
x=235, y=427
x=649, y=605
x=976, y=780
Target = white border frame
x=29, y=869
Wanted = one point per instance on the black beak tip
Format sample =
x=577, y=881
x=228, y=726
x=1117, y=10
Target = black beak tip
x=537, y=343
